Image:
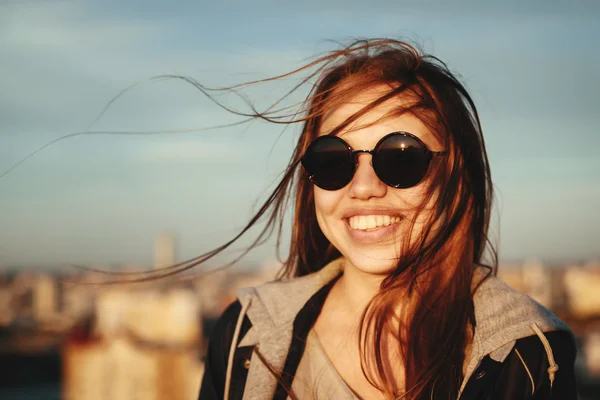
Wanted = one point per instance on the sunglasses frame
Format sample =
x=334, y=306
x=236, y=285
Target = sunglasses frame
x=353, y=154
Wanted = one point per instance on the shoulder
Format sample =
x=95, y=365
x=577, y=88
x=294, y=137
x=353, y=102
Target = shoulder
x=535, y=369
x=544, y=366
x=222, y=333
x=228, y=317
x=217, y=354
x=562, y=344
x=540, y=353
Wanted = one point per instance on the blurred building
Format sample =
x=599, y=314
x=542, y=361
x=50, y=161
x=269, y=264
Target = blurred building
x=209, y=289
x=78, y=298
x=582, y=285
x=22, y=293
x=545, y=284
x=164, y=251
x=141, y=344
x=592, y=354
x=513, y=275
x=536, y=280
x=7, y=311
x=45, y=298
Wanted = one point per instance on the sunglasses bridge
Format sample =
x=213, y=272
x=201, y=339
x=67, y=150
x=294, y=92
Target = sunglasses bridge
x=356, y=153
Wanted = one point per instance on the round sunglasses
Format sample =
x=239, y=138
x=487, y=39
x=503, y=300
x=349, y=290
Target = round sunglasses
x=400, y=160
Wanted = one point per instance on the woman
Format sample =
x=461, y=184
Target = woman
x=389, y=296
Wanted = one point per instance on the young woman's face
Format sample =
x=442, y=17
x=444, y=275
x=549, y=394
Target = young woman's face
x=344, y=215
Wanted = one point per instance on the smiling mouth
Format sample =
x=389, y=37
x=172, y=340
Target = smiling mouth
x=372, y=222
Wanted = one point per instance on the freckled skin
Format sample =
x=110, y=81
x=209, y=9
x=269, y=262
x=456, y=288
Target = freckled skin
x=366, y=190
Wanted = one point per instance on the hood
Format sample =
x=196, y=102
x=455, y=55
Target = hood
x=502, y=316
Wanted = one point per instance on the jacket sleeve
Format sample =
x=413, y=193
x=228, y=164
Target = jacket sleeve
x=213, y=382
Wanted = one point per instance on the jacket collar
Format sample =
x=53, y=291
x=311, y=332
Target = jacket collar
x=502, y=316
x=272, y=309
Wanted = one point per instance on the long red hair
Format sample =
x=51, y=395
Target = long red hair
x=435, y=271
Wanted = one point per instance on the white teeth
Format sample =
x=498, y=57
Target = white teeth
x=371, y=222
x=365, y=222
x=362, y=222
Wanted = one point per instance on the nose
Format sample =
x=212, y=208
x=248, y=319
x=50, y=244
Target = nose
x=365, y=183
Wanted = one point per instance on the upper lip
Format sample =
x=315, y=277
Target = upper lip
x=351, y=212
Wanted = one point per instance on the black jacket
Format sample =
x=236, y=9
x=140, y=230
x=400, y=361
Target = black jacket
x=491, y=380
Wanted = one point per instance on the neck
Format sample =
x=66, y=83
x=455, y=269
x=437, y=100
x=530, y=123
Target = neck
x=355, y=289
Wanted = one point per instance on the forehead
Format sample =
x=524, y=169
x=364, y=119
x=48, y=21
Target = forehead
x=378, y=122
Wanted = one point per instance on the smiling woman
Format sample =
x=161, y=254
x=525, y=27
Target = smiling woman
x=371, y=208
x=386, y=293
x=389, y=296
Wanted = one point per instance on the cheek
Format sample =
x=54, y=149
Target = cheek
x=419, y=209
x=326, y=207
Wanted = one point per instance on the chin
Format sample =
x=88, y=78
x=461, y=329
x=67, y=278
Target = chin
x=372, y=262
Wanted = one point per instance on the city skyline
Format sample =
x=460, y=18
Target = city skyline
x=103, y=199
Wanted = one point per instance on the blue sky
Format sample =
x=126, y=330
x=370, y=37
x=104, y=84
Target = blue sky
x=99, y=200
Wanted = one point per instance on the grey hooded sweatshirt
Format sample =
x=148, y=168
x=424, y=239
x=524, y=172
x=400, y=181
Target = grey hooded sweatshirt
x=503, y=315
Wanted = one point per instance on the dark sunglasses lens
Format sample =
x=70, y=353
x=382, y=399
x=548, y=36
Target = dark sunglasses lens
x=401, y=161
x=328, y=162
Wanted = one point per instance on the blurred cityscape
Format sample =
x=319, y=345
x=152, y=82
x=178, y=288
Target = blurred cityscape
x=62, y=338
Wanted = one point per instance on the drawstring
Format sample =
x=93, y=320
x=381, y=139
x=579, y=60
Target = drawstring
x=553, y=366
x=236, y=334
x=526, y=370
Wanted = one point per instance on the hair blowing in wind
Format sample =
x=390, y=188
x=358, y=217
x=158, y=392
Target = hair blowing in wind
x=434, y=270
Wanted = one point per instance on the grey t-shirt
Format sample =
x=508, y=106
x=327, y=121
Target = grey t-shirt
x=316, y=377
